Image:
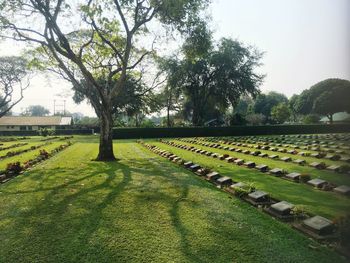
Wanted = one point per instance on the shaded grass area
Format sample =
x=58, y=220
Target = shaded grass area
x=339, y=179
x=328, y=204
x=141, y=209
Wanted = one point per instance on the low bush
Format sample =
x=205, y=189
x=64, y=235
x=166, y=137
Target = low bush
x=304, y=178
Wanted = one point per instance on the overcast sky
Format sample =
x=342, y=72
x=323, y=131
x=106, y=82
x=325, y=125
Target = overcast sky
x=305, y=41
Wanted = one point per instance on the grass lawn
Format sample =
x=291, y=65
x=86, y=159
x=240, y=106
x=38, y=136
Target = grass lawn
x=140, y=209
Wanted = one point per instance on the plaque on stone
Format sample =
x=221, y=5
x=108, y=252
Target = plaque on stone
x=334, y=168
x=224, y=181
x=299, y=161
x=229, y=159
x=239, y=161
x=213, y=176
x=317, y=182
x=273, y=156
x=255, y=153
x=246, y=151
x=293, y=176
x=317, y=165
x=188, y=164
x=319, y=225
x=238, y=150
x=238, y=185
x=231, y=149
x=263, y=155
x=258, y=196
x=194, y=167
x=276, y=171
x=315, y=155
x=286, y=159
x=249, y=164
x=345, y=159
x=262, y=168
x=342, y=189
x=282, y=208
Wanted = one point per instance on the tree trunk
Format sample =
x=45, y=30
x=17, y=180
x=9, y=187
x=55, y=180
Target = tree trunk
x=196, y=118
x=106, y=138
x=330, y=116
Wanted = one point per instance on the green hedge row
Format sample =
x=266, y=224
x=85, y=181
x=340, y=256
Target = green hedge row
x=138, y=133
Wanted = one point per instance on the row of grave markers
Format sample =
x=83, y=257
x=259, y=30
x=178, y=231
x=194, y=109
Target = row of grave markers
x=318, y=227
x=334, y=155
x=280, y=173
x=311, y=145
x=316, y=165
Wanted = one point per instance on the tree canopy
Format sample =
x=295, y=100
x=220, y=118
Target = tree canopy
x=35, y=110
x=13, y=71
x=213, y=80
x=104, y=40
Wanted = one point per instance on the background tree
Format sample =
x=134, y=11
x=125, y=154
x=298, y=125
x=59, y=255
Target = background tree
x=306, y=103
x=337, y=99
x=280, y=113
x=256, y=118
x=13, y=71
x=108, y=42
x=265, y=102
x=212, y=80
x=293, y=107
x=35, y=110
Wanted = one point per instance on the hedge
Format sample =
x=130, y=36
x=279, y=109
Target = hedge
x=138, y=133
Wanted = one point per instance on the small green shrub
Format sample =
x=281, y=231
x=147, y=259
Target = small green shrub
x=46, y=132
x=304, y=178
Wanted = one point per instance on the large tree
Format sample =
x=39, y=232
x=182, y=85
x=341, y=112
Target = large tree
x=94, y=40
x=214, y=78
x=13, y=71
x=325, y=97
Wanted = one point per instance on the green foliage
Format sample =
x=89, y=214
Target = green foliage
x=265, y=102
x=311, y=119
x=13, y=70
x=280, y=113
x=256, y=118
x=35, y=110
x=212, y=81
x=326, y=97
x=46, y=132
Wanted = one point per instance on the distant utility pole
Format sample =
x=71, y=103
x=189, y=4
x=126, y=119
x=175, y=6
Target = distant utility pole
x=59, y=108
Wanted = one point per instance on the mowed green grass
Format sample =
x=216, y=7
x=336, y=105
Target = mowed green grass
x=140, y=209
x=327, y=204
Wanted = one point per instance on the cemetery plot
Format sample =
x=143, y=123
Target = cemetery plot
x=277, y=208
x=289, y=167
x=325, y=203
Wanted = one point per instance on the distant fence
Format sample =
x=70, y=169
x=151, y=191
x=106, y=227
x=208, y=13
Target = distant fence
x=57, y=132
x=138, y=133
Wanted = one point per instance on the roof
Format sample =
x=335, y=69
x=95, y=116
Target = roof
x=29, y=120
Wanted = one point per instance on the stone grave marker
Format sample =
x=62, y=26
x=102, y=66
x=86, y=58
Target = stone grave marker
x=224, y=181
x=258, y=196
x=262, y=168
x=229, y=159
x=342, y=189
x=194, y=167
x=213, y=176
x=263, y=155
x=282, y=208
x=319, y=225
x=286, y=159
x=317, y=165
x=249, y=164
x=273, y=156
x=239, y=161
x=293, y=176
x=317, y=182
x=188, y=164
x=334, y=168
x=299, y=161
x=276, y=172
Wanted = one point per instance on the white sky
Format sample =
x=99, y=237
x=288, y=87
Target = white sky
x=305, y=41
